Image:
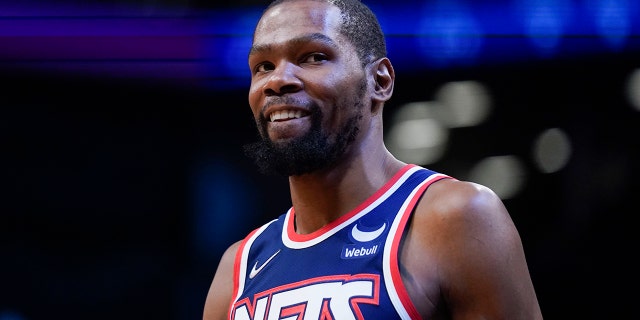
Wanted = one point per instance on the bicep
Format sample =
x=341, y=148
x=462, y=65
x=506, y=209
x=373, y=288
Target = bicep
x=221, y=290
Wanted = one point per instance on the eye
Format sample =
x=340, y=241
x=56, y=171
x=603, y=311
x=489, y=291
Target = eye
x=263, y=67
x=315, y=57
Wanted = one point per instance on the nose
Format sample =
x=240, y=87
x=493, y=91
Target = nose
x=283, y=79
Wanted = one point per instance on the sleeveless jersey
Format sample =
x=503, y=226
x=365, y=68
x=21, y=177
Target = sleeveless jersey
x=346, y=270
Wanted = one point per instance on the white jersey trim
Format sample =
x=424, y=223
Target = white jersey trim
x=393, y=233
x=288, y=242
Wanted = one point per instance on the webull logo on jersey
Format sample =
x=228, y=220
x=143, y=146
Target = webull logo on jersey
x=359, y=235
x=359, y=251
x=363, y=247
x=331, y=297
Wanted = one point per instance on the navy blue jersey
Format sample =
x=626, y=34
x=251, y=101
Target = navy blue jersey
x=346, y=270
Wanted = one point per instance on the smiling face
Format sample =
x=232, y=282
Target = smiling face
x=307, y=89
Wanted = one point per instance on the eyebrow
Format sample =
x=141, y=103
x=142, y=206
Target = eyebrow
x=312, y=37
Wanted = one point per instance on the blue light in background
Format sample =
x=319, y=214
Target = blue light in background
x=448, y=32
x=544, y=22
x=613, y=20
x=227, y=49
x=208, y=48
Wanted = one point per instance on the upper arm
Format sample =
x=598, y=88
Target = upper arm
x=482, y=270
x=220, y=293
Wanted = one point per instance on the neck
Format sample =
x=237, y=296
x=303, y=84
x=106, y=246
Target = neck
x=323, y=196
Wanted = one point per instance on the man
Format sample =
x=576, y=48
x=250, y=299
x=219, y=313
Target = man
x=367, y=236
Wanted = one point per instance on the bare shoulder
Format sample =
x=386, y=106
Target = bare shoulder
x=220, y=293
x=463, y=204
x=478, y=262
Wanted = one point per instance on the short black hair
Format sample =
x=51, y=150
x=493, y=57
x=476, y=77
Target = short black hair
x=360, y=26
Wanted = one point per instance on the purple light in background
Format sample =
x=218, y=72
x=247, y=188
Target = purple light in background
x=210, y=47
x=96, y=40
x=102, y=47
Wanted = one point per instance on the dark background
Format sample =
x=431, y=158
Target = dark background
x=121, y=191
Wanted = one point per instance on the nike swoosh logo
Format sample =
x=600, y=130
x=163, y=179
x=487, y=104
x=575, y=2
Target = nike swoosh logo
x=366, y=236
x=256, y=269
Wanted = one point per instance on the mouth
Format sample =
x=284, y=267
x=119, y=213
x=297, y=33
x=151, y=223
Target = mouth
x=284, y=115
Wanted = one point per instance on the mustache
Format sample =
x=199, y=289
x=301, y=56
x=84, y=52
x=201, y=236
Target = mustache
x=288, y=100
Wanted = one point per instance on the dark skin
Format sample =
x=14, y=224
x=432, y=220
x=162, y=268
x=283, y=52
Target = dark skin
x=461, y=258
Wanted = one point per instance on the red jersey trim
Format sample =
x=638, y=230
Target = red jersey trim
x=240, y=264
x=396, y=278
x=290, y=218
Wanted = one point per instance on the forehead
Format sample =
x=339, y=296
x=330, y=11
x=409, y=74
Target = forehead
x=294, y=19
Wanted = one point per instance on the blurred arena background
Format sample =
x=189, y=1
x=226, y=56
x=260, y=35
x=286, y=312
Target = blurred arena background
x=122, y=122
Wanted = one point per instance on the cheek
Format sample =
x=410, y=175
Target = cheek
x=351, y=103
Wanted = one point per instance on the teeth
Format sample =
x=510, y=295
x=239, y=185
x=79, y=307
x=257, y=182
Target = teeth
x=285, y=115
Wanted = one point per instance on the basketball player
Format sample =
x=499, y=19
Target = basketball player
x=367, y=236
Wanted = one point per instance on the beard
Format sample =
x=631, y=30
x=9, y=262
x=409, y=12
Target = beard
x=305, y=154
x=315, y=150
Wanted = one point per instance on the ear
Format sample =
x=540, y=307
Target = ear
x=384, y=77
